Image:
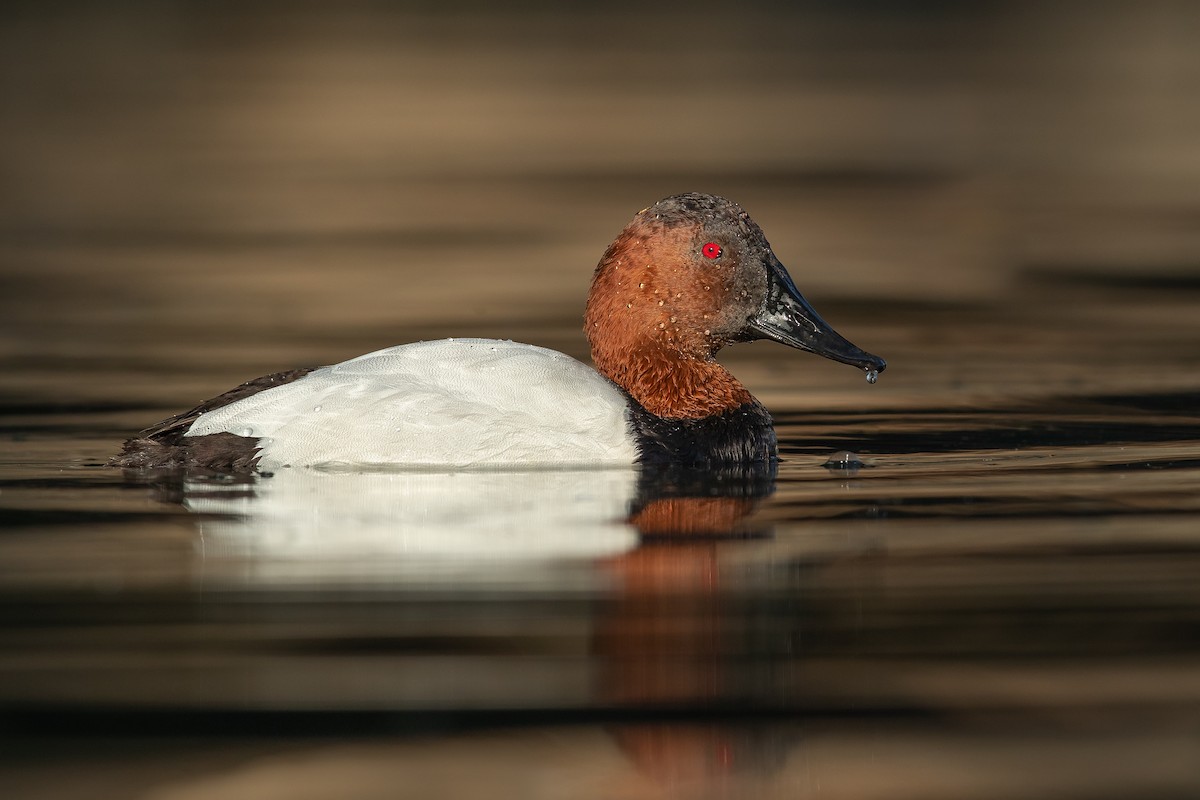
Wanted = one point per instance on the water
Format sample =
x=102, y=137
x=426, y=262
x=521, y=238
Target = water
x=953, y=586
x=978, y=578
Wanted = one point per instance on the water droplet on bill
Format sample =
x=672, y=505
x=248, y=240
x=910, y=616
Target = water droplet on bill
x=872, y=375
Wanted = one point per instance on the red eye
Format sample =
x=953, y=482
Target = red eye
x=711, y=250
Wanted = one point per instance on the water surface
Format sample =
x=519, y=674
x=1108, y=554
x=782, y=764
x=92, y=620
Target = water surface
x=999, y=589
x=994, y=596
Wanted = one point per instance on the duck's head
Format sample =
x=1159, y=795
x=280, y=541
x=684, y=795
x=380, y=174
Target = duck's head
x=687, y=276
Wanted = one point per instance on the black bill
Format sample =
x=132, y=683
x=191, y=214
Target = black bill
x=786, y=317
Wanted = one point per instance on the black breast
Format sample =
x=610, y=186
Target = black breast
x=742, y=435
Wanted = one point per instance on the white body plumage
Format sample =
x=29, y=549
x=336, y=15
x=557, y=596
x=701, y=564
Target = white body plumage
x=454, y=402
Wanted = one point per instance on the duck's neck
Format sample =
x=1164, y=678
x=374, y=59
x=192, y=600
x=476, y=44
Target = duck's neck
x=671, y=384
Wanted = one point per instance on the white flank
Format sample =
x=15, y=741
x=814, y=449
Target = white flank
x=455, y=402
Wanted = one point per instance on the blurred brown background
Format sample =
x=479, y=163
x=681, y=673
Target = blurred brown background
x=318, y=177
x=1001, y=198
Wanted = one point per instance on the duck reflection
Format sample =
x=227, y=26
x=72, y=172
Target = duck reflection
x=389, y=518
x=664, y=643
x=674, y=502
x=323, y=516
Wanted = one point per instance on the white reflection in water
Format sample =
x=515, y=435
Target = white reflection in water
x=324, y=524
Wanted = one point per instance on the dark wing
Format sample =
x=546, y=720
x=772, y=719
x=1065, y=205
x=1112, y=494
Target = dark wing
x=163, y=446
x=181, y=422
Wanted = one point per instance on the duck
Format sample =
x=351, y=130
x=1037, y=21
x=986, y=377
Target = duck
x=686, y=277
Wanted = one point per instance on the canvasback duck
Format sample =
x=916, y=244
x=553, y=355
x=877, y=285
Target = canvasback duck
x=686, y=276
